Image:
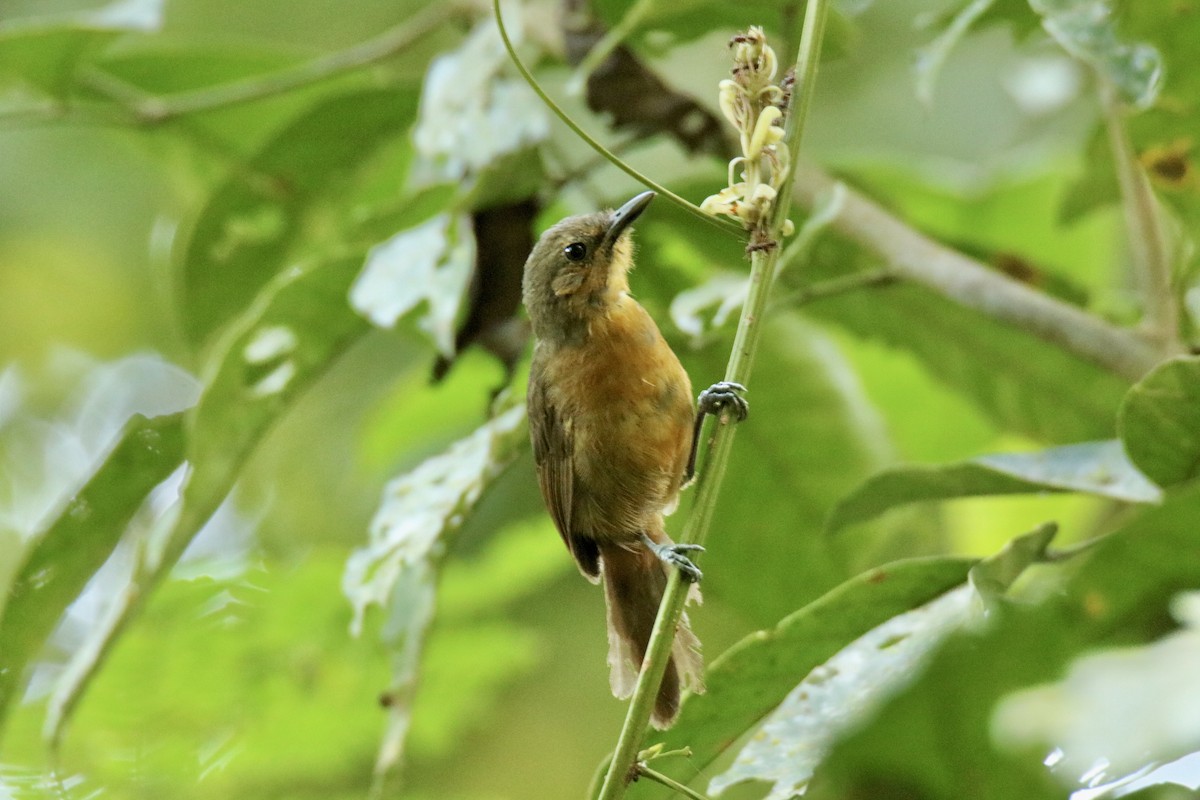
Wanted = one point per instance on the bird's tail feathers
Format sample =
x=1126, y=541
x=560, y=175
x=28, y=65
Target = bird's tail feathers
x=634, y=582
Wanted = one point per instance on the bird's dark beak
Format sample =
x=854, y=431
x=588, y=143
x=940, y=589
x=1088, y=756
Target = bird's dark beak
x=624, y=216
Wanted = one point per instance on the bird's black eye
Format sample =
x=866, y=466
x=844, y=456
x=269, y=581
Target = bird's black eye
x=575, y=251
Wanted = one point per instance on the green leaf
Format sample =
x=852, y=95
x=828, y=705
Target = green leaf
x=1160, y=422
x=1099, y=468
x=44, y=55
x=1087, y=30
x=754, y=676
x=937, y=735
x=296, y=329
x=256, y=221
x=994, y=575
x=843, y=692
x=1023, y=383
x=80, y=541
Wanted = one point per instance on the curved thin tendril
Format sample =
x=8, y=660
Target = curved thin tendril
x=724, y=225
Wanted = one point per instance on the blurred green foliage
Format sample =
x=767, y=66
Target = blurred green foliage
x=201, y=182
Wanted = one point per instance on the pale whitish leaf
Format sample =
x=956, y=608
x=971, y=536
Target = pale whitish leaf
x=1043, y=83
x=1086, y=29
x=421, y=506
x=138, y=15
x=725, y=291
x=1097, y=468
x=118, y=15
x=1122, y=708
x=932, y=56
x=430, y=264
x=12, y=390
x=395, y=570
x=838, y=695
x=470, y=115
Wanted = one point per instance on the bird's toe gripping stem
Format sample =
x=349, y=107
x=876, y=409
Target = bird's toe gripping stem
x=675, y=555
x=722, y=396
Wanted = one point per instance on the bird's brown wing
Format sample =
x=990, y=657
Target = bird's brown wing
x=553, y=449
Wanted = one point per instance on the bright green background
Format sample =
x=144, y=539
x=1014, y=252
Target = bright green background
x=246, y=683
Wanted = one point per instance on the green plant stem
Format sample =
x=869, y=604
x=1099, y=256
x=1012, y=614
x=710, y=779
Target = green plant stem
x=670, y=783
x=741, y=358
x=149, y=109
x=718, y=222
x=1149, y=248
x=836, y=286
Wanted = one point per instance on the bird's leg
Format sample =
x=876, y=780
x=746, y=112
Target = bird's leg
x=675, y=556
x=715, y=400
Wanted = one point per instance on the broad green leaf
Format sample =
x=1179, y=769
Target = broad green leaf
x=1023, y=383
x=292, y=334
x=43, y=55
x=1164, y=135
x=79, y=542
x=256, y=221
x=1160, y=422
x=751, y=678
x=1099, y=468
x=843, y=692
x=937, y=736
x=395, y=570
x=1087, y=30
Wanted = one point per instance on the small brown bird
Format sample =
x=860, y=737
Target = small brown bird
x=614, y=434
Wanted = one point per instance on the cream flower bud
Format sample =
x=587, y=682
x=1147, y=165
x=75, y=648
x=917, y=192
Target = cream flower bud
x=763, y=194
x=762, y=128
x=770, y=63
x=730, y=98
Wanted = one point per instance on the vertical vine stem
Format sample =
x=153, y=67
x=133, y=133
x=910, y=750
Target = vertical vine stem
x=622, y=767
x=1149, y=247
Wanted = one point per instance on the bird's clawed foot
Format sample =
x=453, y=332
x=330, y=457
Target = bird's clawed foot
x=675, y=556
x=724, y=396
